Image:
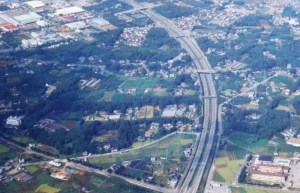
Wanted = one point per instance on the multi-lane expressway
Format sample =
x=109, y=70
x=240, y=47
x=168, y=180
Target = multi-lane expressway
x=204, y=145
x=192, y=179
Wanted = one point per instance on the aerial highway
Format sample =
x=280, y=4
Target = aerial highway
x=194, y=174
x=203, y=148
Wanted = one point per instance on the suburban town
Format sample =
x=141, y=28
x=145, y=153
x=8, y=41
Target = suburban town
x=150, y=96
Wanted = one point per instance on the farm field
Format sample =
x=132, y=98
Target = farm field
x=243, y=190
x=43, y=183
x=156, y=159
x=226, y=166
x=252, y=144
x=108, y=95
x=6, y=153
x=3, y=148
x=32, y=169
x=23, y=140
x=171, y=148
x=142, y=83
x=45, y=188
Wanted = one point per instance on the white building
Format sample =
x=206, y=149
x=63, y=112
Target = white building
x=35, y=4
x=68, y=11
x=26, y=18
x=53, y=163
x=13, y=121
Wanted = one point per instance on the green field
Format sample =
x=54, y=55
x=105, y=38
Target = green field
x=45, y=188
x=228, y=172
x=3, y=149
x=243, y=143
x=251, y=143
x=171, y=148
x=139, y=83
x=244, y=190
x=108, y=95
x=6, y=153
x=32, y=169
x=23, y=140
x=282, y=80
x=43, y=183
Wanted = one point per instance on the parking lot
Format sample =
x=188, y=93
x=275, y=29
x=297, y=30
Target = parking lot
x=294, y=176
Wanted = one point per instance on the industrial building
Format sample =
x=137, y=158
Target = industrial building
x=267, y=178
x=7, y=27
x=35, y=4
x=13, y=121
x=76, y=25
x=99, y=22
x=20, y=17
x=269, y=170
x=294, y=142
x=68, y=11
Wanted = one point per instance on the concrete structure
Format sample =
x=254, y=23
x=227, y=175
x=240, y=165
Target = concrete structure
x=282, y=161
x=169, y=111
x=13, y=121
x=19, y=17
x=35, y=4
x=268, y=178
x=68, y=11
x=273, y=169
x=99, y=22
x=294, y=141
x=269, y=170
x=7, y=27
x=76, y=25
x=53, y=163
x=263, y=159
x=28, y=18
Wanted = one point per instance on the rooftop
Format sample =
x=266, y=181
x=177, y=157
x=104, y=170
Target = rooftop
x=265, y=158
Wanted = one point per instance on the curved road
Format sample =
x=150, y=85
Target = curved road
x=196, y=169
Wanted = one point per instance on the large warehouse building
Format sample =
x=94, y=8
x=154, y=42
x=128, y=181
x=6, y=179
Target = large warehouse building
x=20, y=17
x=68, y=11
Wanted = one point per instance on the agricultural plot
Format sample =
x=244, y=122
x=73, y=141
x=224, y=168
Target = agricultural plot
x=243, y=143
x=251, y=143
x=44, y=183
x=108, y=96
x=45, y=188
x=32, y=169
x=157, y=158
x=138, y=83
x=23, y=140
x=3, y=148
x=6, y=153
x=226, y=166
x=282, y=81
x=244, y=190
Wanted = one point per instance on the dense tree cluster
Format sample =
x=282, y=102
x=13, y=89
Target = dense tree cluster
x=270, y=123
x=171, y=10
